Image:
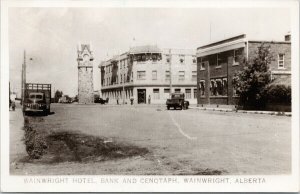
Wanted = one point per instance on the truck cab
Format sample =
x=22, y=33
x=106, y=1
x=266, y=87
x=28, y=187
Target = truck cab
x=177, y=100
x=37, y=98
x=35, y=102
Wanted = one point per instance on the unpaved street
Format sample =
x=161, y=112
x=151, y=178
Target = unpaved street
x=146, y=140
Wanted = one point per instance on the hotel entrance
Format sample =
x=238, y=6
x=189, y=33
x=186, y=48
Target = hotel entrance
x=141, y=93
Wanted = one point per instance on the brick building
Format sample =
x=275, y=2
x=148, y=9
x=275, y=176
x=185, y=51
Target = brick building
x=217, y=62
x=146, y=71
x=85, y=74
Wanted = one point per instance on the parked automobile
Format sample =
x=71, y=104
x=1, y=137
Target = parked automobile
x=101, y=100
x=177, y=101
x=37, y=98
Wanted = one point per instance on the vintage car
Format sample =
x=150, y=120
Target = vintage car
x=101, y=100
x=177, y=101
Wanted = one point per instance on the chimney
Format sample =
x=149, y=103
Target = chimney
x=287, y=37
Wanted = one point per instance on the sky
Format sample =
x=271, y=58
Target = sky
x=50, y=35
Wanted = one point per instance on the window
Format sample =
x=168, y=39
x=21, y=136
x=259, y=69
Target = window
x=188, y=94
x=131, y=76
x=181, y=75
x=225, y=86
x=235, y=57
x=155, y=93
x=154, y=75
x=202, y=64
x=168, y=58
x=168, y=75
x=195, y=93
x=218, y=61
x=237, y=53
x=121, y=79
x=194, y=59
x=181, y=59
x=167, y=90
x=235, y=93
x=213, y=88
x=166, y=93
x=141, y=75
x=281, y=61
x=202, y=87
x=177, y=90
x=194, y=75
x=219, y=89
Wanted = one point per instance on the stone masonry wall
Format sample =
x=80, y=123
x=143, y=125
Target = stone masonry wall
x=85, y=85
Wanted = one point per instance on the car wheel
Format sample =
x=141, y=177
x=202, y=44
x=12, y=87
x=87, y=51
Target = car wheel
x=168, y=107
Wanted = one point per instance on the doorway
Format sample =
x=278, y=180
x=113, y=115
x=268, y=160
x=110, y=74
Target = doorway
x=141, y=95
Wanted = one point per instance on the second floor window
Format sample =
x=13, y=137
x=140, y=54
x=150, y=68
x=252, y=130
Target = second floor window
x=218, y=61
x=154, y=75
x=141, y=75
x=281, y=61
x=167, y=76
x=235, y=57
x=181, y=75
x=194, y=59
x=181, y=59
x=194, y=75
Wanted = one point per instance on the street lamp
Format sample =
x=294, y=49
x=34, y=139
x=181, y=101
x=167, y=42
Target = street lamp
x=24, y=77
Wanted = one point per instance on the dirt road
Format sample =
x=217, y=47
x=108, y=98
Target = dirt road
x=176, y=142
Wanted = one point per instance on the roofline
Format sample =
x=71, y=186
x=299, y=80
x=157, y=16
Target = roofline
x=269, y=41
x=223, y=41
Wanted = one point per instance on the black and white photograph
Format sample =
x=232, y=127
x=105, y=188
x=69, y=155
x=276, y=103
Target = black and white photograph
x=145, y=96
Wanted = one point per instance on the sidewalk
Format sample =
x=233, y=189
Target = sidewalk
x=232, y=108
x=16, y=146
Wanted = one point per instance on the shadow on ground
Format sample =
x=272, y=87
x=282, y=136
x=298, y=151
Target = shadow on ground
x=59, y=147
x=48, y=147
x=38, y=114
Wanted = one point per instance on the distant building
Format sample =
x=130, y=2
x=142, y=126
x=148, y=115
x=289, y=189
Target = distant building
x=85, y=74
x=217, y=62
x=148, y=71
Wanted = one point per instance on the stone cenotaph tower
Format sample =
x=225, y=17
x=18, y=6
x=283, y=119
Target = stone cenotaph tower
x=85, y=74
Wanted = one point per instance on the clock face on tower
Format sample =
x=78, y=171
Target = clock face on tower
x=86, y=58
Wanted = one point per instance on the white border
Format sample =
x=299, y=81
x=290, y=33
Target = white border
x=287, y=183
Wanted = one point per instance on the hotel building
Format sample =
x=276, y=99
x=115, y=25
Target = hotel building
x=149, y=72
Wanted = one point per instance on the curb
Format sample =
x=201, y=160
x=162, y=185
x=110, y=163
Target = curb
x=245, y=111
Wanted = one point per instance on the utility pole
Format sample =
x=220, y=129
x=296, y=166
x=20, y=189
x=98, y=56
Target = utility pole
x=209, y=82
x=9, y=94
x=123, y=81
x=23, y=78
x=170, y=71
